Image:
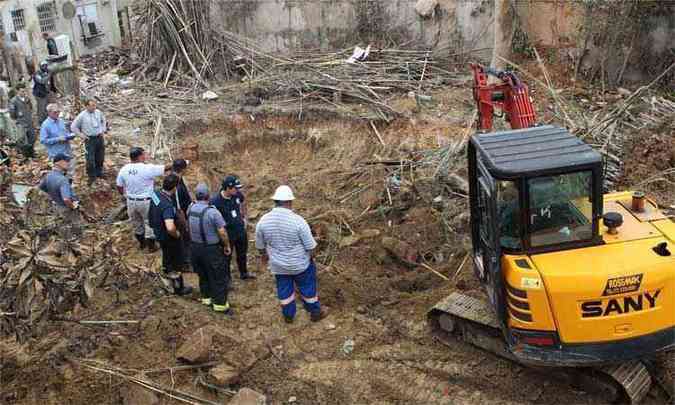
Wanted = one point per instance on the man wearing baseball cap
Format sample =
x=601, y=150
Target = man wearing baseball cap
x=286, y=243
x=211, y=251
x=226, y=203
x=65, y=205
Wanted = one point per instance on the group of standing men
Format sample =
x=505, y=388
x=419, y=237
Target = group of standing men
x=167, y=216
x=212, y=228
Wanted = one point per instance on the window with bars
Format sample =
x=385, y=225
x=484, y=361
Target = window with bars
x=18, y=19
x=47, y=16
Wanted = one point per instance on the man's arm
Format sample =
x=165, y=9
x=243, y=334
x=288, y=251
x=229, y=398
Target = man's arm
x=45, y=139
x=119, y=183
x=104, y=123
x=260, y=245
x=67, y=195
x=306, y=237
x=225, y=240
x=171, y=228
x=152, y=171
x=76, y=125
x=12, y=109
x=244, y=208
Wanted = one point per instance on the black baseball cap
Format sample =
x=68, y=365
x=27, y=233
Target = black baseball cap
x=136, y=152
x=237, y=183
x=61, y=156
x=179, y=164
x=228, y=182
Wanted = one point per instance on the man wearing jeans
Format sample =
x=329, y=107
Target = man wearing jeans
x=285, y=243
x=136, y=182
x=91, y=125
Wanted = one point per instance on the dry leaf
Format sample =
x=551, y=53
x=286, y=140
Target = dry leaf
x=24, y=276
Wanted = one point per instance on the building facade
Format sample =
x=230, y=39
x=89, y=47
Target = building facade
x=88, y=25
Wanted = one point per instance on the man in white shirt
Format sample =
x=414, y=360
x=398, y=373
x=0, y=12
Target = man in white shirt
x=136, y=182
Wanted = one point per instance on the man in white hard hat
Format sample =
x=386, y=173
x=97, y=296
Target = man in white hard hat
x=286, y=244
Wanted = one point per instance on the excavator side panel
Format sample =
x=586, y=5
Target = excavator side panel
x=528, y=306
x=610, y=293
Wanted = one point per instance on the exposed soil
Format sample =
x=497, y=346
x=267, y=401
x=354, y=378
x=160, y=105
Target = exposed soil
x=648, y=155
x=375, y=298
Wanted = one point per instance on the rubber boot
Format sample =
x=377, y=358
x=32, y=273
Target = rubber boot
x=223, y=309
x=151, y=245
x=179, y=287
x=141, y=241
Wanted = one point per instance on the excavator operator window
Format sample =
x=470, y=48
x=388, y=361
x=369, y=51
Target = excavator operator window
x=560, y=208
x=508, y=215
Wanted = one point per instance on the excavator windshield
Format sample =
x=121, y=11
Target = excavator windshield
x=560, y=208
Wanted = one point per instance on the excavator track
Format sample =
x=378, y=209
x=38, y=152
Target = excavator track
x=472, y=320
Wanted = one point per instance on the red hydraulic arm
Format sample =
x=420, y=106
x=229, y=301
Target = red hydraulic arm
x=511, y=96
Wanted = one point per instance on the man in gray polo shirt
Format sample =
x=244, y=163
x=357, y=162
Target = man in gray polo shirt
x=210, y=251
x=286, y=243
x=91, y=125
x=65, y=205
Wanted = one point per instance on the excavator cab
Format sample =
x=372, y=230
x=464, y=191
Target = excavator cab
x=531, y=190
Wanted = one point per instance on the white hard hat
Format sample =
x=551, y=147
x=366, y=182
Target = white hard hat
x=283, y=193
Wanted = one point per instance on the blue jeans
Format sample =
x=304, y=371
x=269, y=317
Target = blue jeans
x=306, y=285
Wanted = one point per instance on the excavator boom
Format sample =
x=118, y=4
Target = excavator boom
x=512, y=96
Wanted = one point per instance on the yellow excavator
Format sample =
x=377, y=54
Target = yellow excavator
x=576, y=281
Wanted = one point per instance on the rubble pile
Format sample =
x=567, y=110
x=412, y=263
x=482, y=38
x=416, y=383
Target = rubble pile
x=43, y=277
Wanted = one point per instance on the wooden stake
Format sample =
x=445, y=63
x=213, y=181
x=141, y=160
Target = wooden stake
x=377, y=133
x=426, y=266
x=461, y=266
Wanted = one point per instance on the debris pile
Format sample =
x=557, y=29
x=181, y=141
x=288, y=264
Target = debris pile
x=183, y=49
x=44, y=277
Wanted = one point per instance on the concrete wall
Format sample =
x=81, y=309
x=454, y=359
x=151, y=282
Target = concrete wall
x=30, y=38
x=284, y=25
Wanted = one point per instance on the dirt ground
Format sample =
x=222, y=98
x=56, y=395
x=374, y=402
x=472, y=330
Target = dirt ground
x=374, y=347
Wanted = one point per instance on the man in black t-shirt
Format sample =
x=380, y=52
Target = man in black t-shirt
x=163, y=218
x=227, y=204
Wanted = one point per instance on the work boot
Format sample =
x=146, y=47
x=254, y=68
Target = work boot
x=151, y=245
x=223, y=309
x=91, y=181
x=288, y=319
x=179, y=287
x=141, y=241
x=247, y=276
x=317, y=316
x=206, y=301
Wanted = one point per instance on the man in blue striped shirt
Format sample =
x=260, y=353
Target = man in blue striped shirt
x=286, y=244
